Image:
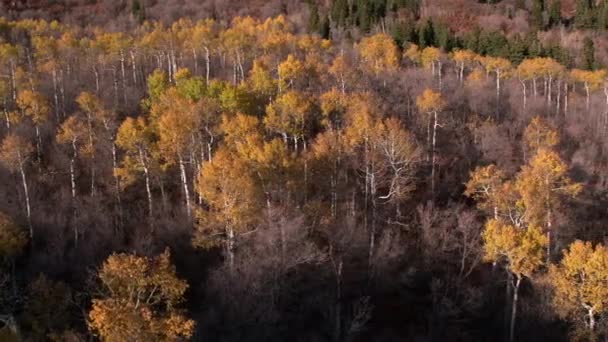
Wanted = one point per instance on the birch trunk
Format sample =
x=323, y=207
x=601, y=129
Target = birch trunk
x=184, y=179
x=26, y=192
x=514, y=309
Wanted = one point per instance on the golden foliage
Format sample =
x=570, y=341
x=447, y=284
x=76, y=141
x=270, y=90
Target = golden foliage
x=141, y=304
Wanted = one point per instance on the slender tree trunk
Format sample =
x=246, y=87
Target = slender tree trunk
x=434, y=154
x=230, y=248
x=92, y=148
x=587, y=91
x=124, y=77
x=338, y=306
x=566, y=100
x=38, y=146
x=207, y=65
x=96, y=73
x=116, y=181
x=525, y=95
x=591, y=316
x=72, y=167
x=461, y=74
x=184, y=179
x=55, y=95
x=147, y=176
x=508, y=298
x=26, y=192
x=195, y=60
x=133, y=67
x=514, y=309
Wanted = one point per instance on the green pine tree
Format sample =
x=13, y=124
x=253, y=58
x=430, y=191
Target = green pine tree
x=314, y=22
x=584, y=17
x=536, y=17
x=602, y=16
x=325, y=28
x=426, y=34
x=588, y=54
x=555, y=13
x=339, y=12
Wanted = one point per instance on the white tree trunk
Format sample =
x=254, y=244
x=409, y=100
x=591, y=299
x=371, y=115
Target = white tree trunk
x=514, y=309
x=182, y=169
x=26, y=192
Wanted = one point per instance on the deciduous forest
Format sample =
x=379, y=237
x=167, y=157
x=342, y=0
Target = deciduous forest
x=336, y=170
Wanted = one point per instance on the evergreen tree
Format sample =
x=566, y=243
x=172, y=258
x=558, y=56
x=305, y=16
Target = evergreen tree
x=137, y=10
x=314, y=22
x=555, y=13
x=583, y=18
x=325, y=29
x=588, y=54
x=536, y=19
x=426, y=34
x=339, y=12
x=518, y=50
x=443, y=37
x=602, y=16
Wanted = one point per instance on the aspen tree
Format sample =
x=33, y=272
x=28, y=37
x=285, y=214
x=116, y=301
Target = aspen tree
x=233, y=197
x=542, y=185
x=135, y=138
x=291, y=116
x=580, y=281
x=501, y=68
x=463, y=58
x=379, y=53
x=520, y=250
x=72, y=132
x=289, y=71
x=33, y=104
x=431, y=103
x=177, y=129
x=15, y=152
x=141, y=300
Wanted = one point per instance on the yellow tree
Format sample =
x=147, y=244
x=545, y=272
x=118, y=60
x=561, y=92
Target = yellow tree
x=72, y=132
x=9, y=55
x=519, y=250
x=484, y=186
x=233, y=197
x=289, y=71
x=177, y=127
x=591, y=80
x=291, y=116
x=34, y=105
x=542, y=185
x=463, y=58
x=379, y=53
x=501, y=67
x=413, y=53
x=430, y=58
x=431, y=103
x=14, y=154
x=342, y=70
x=98, y=116
x=334, y=105
x=141, y=301
x=135, y=138
x=580, y=282
x=539, y=134
x=203, y=36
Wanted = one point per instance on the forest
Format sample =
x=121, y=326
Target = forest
x=340, y=170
